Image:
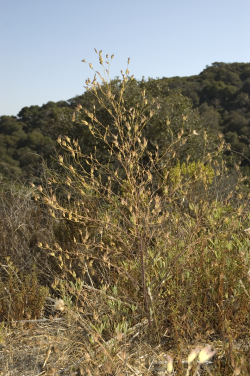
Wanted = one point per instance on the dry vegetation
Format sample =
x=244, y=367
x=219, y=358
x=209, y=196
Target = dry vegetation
x=138, y=265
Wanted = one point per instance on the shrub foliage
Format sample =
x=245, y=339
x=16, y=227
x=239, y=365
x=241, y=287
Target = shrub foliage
x=156, y=233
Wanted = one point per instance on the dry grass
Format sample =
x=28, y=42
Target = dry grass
x=61, y=346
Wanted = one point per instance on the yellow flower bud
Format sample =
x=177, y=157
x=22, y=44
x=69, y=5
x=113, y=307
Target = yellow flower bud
x=59, y=305
x=193, y=355
x=170, y=364
x=206, y=354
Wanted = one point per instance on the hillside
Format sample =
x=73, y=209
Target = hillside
x=219, y=96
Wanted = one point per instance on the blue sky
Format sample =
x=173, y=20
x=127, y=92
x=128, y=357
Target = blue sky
x=43, y=42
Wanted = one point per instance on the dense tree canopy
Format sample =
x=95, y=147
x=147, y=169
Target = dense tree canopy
x=216, y=100
x=25, y=140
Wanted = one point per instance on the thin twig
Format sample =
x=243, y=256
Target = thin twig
x=38, y=320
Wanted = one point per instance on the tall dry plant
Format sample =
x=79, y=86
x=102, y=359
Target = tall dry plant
x=143, y=221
